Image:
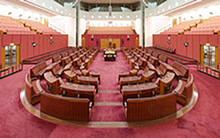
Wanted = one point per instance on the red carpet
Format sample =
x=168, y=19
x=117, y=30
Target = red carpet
x=108, y=113
x=109, y=70
x=108, y=97
x=202, y=121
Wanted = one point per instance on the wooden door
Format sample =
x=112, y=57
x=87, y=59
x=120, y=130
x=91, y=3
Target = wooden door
x=137, y=42
x=18, y=53
x=209, y=56
x=216, y=57
x=83, y=42
x=201, y=54
x=104, y=43
x=3, y=57
x=10, y=55
x=174, y=21
x=116, y=42
x=46, y=21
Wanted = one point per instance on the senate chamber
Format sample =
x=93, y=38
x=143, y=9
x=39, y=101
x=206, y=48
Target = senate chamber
x=109, y=68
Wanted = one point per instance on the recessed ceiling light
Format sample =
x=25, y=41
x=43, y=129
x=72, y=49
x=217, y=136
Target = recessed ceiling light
x=92, y=16
x=99, y=16
x=120, y=16
x=128, y=16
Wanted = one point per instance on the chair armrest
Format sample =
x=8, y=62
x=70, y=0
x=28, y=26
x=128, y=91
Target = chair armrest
x=184, y=79
x=37, y=94
x=90, y=104
x=125, y=104
x=180, y=95
x=34, y=78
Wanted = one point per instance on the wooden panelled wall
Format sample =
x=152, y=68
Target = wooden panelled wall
x=194, y=41
x=43, y=43
x=123, y=38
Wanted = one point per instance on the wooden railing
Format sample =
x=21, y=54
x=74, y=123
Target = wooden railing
x=209, y=71
x=11, y=70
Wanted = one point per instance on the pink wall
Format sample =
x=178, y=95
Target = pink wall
x=43, y=43
x=193, y=50
x=92, y=43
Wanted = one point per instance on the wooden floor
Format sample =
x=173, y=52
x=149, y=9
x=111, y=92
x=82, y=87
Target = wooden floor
x=117, y=124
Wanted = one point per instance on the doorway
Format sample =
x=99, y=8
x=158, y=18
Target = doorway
x=83, y=42
x=116, y=43
x=110, y=43
x=10, y=55
x=209, y=55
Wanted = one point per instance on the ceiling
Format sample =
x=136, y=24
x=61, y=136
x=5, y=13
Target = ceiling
x=116, y=1
x=108, y=1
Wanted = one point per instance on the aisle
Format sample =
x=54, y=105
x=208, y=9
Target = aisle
x=108, y=105
x=109, y=70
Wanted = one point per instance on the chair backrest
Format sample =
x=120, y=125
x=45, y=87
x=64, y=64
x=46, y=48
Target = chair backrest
x=56, y=68
x=64, y=54
x=163, y=58
x=163, y=68
x=181, y=68
x=73, y=109
x=67, y=60
x=56, y=58
x=142, y=109
x=28, y=88
x=188, y=91
x=40, y=66
x=155, y=54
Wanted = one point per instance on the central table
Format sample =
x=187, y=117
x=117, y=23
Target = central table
x=109, y=54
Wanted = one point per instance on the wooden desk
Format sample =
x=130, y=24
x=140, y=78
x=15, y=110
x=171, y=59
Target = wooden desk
x=146, y=76
x=166, y=81
x=135, y=89
x=139, y=90
x=88, y=81
x=129, y=80
x=95, y=74
x=78, y=90
x=133, y=72
x=52, y=82
x=85, y=72
x=127, y=74
x=70, y=76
